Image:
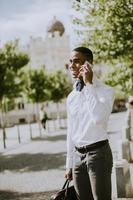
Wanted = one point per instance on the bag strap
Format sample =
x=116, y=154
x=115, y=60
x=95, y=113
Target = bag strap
x=66, y=182
x=67, y=186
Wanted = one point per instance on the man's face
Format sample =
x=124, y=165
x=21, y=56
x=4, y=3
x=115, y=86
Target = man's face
x=77, y=59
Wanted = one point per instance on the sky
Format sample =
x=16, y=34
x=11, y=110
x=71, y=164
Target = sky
x=24, y=18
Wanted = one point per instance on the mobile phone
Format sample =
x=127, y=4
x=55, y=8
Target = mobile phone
x=88, y=63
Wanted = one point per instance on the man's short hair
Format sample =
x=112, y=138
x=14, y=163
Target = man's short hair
x=86, y=52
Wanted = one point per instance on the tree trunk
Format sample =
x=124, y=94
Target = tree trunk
x=29, y=123
x=38, y=119
x=58, y=115
x=30, y=129
x=3, y=126
x=19, y=137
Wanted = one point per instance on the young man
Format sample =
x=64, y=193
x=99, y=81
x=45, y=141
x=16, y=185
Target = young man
x=89, y=157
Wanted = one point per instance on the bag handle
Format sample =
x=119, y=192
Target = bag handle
x=66, y=185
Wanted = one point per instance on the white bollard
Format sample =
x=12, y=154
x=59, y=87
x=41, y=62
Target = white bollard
x=131, y=151
x=126, y=154
x=123, y=179
x=131, y=132
x=132, y=117
x=123, y=149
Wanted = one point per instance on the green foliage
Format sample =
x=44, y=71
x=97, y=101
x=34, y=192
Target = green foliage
x=122, y=79
x=106, y=27
x=60, y=86
x=42, y=86
x=11, y=104
x=11, y=63
x=37, y=86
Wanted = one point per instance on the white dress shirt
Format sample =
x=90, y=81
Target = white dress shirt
x=88, y=114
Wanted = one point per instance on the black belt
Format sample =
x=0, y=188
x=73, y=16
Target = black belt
x=91, y=147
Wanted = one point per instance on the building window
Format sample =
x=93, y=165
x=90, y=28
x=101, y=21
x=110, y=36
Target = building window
x=21, y=106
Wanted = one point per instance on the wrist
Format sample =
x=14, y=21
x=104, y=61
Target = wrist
x=88, y=83
x=68, y=169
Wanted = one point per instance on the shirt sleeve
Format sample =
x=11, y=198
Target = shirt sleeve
x=70, y=145
x=99, y=107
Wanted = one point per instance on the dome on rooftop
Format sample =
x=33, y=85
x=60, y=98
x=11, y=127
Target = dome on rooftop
x=56, y=25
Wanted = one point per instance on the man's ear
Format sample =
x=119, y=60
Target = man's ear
x=90, y=61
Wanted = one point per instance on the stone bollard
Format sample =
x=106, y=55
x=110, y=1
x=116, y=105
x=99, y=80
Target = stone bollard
x=126, y=153
x=123, y=179
x=127, y=134
x=127, y=126
x=131, y=151
x=129, y=120
x=131, y=131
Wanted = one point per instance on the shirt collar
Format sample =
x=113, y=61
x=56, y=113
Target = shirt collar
x=95, y=81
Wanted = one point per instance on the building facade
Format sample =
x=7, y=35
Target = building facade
x=51, y=52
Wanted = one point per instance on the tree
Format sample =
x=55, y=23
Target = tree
x=11, y=63
x=42, y=86
x=37, y=87
x=107, y=28
x=122, y=78
x=60, y=87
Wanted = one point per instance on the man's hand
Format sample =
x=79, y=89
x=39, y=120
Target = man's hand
x=86, y=73
x=68, y=174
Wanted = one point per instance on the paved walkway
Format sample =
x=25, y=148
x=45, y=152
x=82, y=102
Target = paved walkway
x=33, y=169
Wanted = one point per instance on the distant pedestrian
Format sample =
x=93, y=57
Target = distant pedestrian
x=43, y=117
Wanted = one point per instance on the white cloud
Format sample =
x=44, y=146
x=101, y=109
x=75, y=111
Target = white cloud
x=34, y=20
